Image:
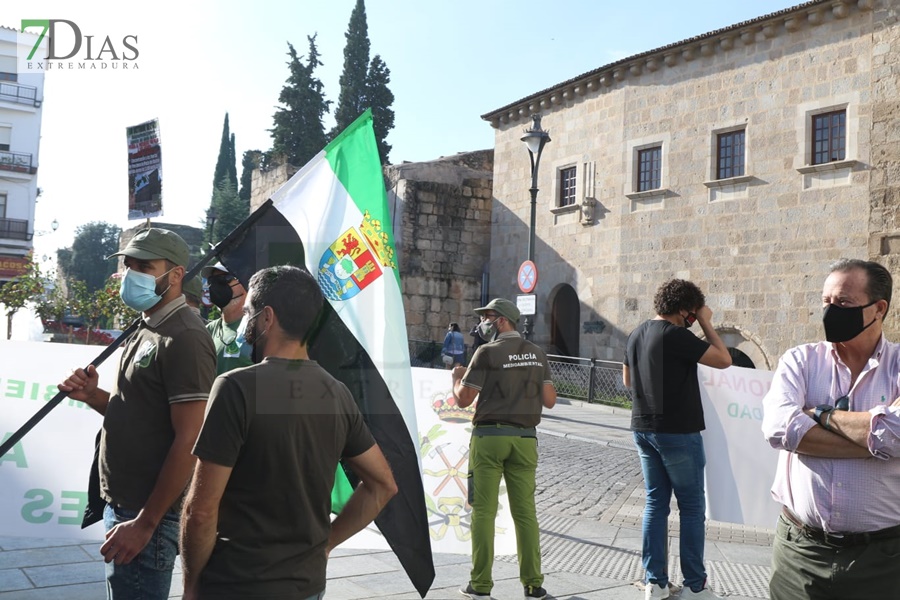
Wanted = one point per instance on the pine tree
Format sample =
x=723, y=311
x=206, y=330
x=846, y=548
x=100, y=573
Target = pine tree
x=298, y=133
x=225, y=164
x=352, y=98
x=380, y=98
x=248, y=164
x=230, y=210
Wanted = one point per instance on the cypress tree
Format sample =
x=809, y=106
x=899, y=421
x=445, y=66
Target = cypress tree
x=298, y=133
x=248, y=164
x=352, y=98
x=380, y=98
x=225, y=164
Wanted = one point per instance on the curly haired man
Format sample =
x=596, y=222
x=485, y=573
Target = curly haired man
x=660, y=365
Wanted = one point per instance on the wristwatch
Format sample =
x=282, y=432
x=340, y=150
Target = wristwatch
x=821, y=411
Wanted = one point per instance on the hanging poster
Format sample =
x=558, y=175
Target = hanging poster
x=144, y=171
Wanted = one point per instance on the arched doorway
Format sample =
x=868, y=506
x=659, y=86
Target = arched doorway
x=564, y=321
x=739, y=359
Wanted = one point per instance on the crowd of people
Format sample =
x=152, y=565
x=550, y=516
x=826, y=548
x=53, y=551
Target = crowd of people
x=221, y=441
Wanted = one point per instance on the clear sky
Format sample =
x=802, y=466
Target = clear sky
x=450, y=62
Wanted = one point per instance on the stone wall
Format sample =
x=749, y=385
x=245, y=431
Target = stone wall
x=265, y=183
x=758, y=245
x=443, y=238
x=441, y=218
x=884, y=190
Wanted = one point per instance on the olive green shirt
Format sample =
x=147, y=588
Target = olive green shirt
x=509, y=374
x=170, y=359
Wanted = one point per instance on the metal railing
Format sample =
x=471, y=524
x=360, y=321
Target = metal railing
x=16, y=92
x=14, y=229
x=587, y=379
x=17, y=161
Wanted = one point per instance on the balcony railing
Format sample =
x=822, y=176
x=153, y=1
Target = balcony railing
x=17, y=161
x=14, y=229
x=21, y=94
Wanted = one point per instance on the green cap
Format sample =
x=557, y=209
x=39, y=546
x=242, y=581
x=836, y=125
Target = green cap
x=154, y=244
x=501, y=306
x=193, y=287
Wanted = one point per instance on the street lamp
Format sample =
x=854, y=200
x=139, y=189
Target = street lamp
x=210, y=223
x=535, y=139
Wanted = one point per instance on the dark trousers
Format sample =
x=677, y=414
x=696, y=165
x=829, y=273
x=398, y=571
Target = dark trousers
x=806, y=569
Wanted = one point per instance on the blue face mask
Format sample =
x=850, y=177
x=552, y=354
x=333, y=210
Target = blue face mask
x=138, y=290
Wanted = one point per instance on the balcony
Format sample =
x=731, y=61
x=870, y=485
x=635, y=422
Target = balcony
x=14, y=229
x=17, y=162
x=18, y=93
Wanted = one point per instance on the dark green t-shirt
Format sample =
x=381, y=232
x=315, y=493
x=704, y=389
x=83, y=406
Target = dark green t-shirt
x=282, y=426
x=509, y=374
x=230, y=354
x=169, y=359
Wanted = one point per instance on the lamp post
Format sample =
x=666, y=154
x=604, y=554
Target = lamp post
x=210, y=223
x=535, y=139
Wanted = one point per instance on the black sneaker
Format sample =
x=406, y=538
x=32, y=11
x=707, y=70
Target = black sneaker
x=468, y=592
x=535, y=592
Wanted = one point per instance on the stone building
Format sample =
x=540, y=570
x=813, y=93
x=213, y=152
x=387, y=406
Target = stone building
x=441, y=213
x=745, y=159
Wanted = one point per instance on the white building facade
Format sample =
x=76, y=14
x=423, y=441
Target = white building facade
x=21, y=99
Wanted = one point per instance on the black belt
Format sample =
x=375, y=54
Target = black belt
x=840, y=540
x=487, y=428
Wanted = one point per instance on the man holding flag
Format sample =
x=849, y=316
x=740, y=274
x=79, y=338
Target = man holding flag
x=256, y=519
x=332, y=220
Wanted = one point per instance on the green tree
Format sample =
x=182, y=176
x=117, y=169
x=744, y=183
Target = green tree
x=51, y=306
x=230, y=210
x=225, y=164
x=352, y=97
x=298, y=133
x=380, y=98
x=15, y=294
x=86, y=261
x=100, y=309
x=248, y=164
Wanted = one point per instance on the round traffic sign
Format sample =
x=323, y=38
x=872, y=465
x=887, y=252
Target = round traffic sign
x=528, y=277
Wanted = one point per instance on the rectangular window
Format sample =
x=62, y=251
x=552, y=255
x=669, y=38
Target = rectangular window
x=649, y=169
x=730, y=155
x=8, y=68
x=2, y=206
x=829, y=137
x=567, y=186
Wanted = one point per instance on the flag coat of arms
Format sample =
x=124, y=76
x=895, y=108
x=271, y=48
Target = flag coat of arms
x=332, y=219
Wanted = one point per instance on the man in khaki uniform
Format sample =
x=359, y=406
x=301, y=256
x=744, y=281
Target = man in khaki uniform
x=510, y=377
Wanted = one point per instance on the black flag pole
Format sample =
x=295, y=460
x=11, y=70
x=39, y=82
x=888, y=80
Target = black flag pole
x=232, y=238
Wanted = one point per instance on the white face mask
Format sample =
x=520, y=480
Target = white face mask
x=487, y=329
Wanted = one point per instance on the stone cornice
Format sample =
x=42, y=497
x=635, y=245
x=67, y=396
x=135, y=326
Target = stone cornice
x=747, y=33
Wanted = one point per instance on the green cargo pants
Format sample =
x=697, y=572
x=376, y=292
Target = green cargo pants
x=497, y=451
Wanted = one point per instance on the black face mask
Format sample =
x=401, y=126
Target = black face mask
x=843, y=324
x=220, y=292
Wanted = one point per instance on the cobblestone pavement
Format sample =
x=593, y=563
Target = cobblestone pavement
x=582, y=480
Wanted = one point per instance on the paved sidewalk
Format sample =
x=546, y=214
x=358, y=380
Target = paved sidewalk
x=597, y=557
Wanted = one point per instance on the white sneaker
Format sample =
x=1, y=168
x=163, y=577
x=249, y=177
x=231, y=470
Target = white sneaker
x=704, y=594
x=654, y=591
